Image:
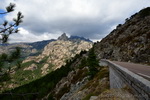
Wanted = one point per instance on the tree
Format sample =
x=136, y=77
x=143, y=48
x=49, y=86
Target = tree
x=15, y=54
x=3, y=58
x=92, y=63
x=7, y=28
x=18, y=64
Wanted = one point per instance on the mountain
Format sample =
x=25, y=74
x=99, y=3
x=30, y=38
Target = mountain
x=77, y=38
x=73, y=38
x=35, y=48
x=63, y=37
x=28, y=49
x=58, y=52
x=54, y=55
x=129, y=42
x=40, y=44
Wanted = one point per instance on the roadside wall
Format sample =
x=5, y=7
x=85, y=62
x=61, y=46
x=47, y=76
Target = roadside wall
x=121, y=77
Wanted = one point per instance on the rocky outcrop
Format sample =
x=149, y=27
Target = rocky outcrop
x=45, y=69
x=128, y=42
x=68, y=85
x=63, y=37
x=77, y=86
x=58, y=52
x=32, y=67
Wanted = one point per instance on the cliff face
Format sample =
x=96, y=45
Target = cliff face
x=58, y=52
x=128, y=42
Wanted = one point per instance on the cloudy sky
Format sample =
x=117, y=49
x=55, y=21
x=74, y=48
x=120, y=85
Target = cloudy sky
x=47, y=19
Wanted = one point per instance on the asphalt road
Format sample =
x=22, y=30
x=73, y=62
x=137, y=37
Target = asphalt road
x=142, y=70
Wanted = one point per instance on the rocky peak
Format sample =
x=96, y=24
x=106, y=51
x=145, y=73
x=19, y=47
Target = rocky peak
x=63, y=37
x=56, y=53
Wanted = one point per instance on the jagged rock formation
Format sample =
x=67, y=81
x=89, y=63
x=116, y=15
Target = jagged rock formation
x=82, y=89
x=128, y=42
x=58, y=52
x=63, y=37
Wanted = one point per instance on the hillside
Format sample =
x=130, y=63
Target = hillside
x=56, y=53
x=129, y=42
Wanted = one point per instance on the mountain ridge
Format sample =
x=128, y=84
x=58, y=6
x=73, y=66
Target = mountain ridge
x=35, y=48
x=129, y=42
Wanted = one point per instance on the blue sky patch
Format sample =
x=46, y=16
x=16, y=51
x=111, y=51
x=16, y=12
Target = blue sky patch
x=2, y=15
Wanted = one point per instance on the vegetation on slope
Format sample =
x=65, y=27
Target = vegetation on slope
x=38, y=88
x=14, y=73
x=98, y=85
x=41, y=87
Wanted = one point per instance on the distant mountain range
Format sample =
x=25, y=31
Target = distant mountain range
x=35, y=48
x=73, y=38
x=77, y=38
x=40, y=44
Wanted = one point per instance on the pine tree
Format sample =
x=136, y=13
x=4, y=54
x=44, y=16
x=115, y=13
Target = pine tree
x=92, y=63
x=8, y=28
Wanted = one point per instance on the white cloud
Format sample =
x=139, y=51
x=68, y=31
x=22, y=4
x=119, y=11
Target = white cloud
x=26, y=36
x=89, y=18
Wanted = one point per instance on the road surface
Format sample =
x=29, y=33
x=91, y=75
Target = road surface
x=142, y=70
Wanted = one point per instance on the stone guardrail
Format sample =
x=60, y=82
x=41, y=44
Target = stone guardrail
x=139, y=85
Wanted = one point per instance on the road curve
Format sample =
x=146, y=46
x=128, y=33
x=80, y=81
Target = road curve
x=142, y=70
